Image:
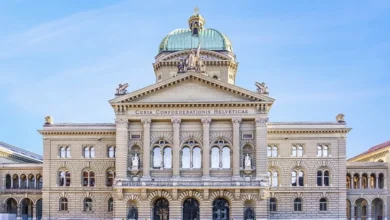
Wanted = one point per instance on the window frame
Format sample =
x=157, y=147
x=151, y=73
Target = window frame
x=63, y=206
x=273, y=204
x=298, y=207
x=323, y=204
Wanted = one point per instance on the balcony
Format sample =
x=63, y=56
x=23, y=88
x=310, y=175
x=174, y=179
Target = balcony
x=184, y=184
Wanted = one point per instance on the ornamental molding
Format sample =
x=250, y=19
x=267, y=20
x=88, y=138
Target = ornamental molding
x=158, y=194
x=324, y=163
x=206, y=55
x=132, y=197
x=197, y=136
x=261, y=121
x=299, y=164
x=305, y=130
x=190, y=194
x=222, y=194
x=249, y=197
x=206, y=121
x=155, y=136
x=138, y=142
x=67, y=132
x=225, y=135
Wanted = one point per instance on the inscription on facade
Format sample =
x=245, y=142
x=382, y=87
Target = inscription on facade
x=194, y=112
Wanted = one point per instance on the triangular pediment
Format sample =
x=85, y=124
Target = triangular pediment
x=192, y=88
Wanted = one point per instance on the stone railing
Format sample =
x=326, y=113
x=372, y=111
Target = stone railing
x=20, y=190
x=260, y=183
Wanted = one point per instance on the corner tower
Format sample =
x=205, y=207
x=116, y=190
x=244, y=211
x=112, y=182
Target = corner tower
x=196, y=49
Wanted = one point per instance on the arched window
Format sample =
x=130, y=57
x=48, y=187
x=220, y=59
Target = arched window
x=162, y=155
x=87, y=205
x=89, y=152
x=372, y=181
x=300, y=151
x=348, y=181
x=298, y=205
x=220, y=209
x=161, y=209
x=110, y=205
x=39, y=181
x=191, y=157
x=273, y=178
x=191, y=209
x=31, y=182
x=215, y=157
x=110, y=178
x=220, y=155
x=8, y=181
x=380, y=161
x=167, y=158
x=323, y=204
x=27, y=208
x=319, y=178
x=63, y=204
x=294, y=151
x=322, y=150
x=111, y=151
x=215, y=77
x=67, y=151
x=364, y=181
x=356, y=179
x=381, y=181
x=23, y=181
x=326, y=178
x=64, y=178
x=297, y=178
x=274, y=151
x=269, y=151
x=62, y=152
x=12, y=206
x=88, y=178
x=272, y=205
x=15, y=181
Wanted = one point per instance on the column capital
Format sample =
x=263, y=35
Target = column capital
x=146, y=121
x=176, y=121
x=261, y=121
x=121, y=121
x=236, y=121
x=206, y=121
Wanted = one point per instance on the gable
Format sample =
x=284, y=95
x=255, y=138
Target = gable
x=195, y=83
x=191, y=91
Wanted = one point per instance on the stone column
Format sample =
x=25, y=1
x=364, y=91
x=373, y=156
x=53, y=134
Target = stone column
x=206, y=148
x=352, y=212
x=122, y=145
x=12, y=182
x=146, y=149
x=360, y=180
x=377, y=181
x=369, y=207
x=176, y=147
x=261, y=148
x=236, y=148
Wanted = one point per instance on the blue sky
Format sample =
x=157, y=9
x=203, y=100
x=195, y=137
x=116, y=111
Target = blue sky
x=319, y=58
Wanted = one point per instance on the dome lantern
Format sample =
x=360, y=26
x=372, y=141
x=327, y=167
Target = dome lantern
x=196, y=22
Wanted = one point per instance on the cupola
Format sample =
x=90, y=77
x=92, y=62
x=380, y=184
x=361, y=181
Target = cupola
x=196, y=22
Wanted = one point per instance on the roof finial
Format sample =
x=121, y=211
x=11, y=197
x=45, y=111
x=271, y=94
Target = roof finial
x=196, y=10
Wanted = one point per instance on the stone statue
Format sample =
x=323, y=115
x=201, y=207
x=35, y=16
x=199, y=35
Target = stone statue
x=135, y=161
x=248, y=162
x=262, y=88
x=49, y=120
x=121, y=90
x=193, y=62
x=249, y=214
x=340, y=118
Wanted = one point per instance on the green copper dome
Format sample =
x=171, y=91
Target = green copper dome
x=184, y=39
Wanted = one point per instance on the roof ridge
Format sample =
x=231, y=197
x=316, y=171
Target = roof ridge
x=373, y=149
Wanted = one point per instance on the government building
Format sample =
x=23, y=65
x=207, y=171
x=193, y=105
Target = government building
x=193, y=146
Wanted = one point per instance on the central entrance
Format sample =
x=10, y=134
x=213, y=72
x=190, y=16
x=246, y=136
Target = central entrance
x=220, y=209
x=190, y=209
x=161, y=209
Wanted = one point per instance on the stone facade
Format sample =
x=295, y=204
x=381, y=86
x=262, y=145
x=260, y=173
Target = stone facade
x=191, y=146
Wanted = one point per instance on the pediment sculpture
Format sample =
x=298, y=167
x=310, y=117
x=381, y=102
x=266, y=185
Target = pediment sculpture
x=193, y=62
x=122, y=89
x=262, y=88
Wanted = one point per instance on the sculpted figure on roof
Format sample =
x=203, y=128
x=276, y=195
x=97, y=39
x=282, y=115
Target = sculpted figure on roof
x=193, y=62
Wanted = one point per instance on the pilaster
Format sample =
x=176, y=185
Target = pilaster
x=236, y=148
x=206, y=148
x=146, y=151
x=122, y=145
x=176, y=147
x=261, y=147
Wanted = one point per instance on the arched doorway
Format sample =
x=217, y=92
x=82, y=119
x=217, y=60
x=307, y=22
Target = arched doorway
x=191, y=209
x=361, y=209
x=220, y=209
x=377, y=208
x=249, y=210
x=27, y=209
x=12, y=206
x=161, y=209
x=132, y=210
x=39, y=209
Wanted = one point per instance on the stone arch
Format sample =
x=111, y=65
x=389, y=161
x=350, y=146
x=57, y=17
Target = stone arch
x=222, y=194
x=185, y=136
x=325, y=195
x=156, y=136
x=300, y=164
x=105, y=166
x=249, y=197
x=62, y=195
x=137, y=142
x=191, y=138
x=326, y=164
x=272, y=164
x=10, y=197
x=298, y=195
x=108, y=196
x=354, y=201
x=227, y=136
x=159, y=194
x=370, y=201
x=133, y=198
x=190, y=194
x=87, y=195
x=26, y=197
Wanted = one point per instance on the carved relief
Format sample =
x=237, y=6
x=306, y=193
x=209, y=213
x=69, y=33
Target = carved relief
x=261, y=121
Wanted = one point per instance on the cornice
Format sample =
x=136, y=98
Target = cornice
x=305, y=130
x=75, y=132
x=209, y=63
x=11, y=155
